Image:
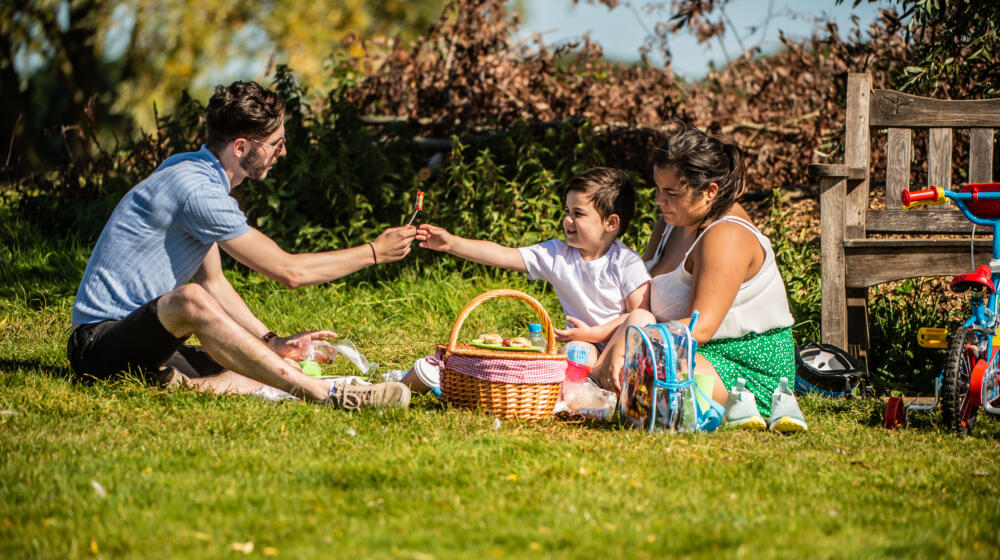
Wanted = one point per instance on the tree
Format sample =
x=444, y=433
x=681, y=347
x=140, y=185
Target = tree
x=954, y=47
x=67, y=62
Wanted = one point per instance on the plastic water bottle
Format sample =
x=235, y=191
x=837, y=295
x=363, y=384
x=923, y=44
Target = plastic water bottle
x=320, y=351
x=535, y=335
x=394, y=375
x=576, y=363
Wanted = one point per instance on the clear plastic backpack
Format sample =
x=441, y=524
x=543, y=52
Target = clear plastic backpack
x=659, y=391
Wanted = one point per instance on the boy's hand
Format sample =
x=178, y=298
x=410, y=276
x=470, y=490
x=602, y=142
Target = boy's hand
x=579, y=331
x=393, y=244
x=475, y=250
x=434, y=238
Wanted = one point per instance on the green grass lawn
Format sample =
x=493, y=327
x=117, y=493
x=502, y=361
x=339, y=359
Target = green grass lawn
x=121, y=470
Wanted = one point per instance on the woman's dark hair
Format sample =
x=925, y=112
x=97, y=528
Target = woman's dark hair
x=242, y=110
x=700, y=160
x=610, y=191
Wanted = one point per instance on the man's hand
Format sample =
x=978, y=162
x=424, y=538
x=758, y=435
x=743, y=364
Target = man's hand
x=393, y=244
x=434, y=238
x=296, y=346
x=579, y=331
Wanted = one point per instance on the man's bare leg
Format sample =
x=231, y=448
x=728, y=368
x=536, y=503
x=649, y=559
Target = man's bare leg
x=225, y=382
x=190, y=309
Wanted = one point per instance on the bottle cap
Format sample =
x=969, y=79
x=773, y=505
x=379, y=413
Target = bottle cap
x=534, y=327
x=576, y=353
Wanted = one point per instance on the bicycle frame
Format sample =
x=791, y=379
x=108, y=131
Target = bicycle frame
x=983, y=317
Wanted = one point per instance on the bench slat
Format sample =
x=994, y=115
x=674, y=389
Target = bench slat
x=899, y=153
x=870, y=265
x=906, y=245
x=919, y=220
x=857, y=152
x=837, y=170
x=939, y=160
x=894, y=109
x=981, y=155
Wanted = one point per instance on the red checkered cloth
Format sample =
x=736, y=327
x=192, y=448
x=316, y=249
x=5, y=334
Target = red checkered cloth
x=507, y=371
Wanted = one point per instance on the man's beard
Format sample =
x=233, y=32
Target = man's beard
x=254, y=165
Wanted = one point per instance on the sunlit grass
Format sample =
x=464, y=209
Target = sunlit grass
x=116, y=469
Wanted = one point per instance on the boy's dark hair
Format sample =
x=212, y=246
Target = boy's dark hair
x=700, y=160
x=242, y=110
x=611, y=192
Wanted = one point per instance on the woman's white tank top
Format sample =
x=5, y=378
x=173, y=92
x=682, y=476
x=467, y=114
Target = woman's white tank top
x=761, y=303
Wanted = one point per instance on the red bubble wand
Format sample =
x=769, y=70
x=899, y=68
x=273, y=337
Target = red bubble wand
x=418, y=207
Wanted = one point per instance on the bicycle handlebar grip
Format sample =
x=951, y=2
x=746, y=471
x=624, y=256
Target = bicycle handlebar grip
x=933, y=195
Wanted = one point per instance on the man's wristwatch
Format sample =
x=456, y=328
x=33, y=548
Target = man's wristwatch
x=268, y=336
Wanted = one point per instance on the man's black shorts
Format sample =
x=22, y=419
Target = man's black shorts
x=138, y=344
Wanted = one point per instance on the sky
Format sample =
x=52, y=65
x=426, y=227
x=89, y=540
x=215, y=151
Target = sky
x=621, y=31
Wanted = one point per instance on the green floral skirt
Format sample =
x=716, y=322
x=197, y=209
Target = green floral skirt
x=759, y=358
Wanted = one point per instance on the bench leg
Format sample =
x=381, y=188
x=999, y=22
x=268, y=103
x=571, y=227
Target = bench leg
x=833, y=328
x=857, y=325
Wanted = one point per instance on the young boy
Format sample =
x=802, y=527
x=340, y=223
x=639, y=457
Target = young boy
x=597, y=278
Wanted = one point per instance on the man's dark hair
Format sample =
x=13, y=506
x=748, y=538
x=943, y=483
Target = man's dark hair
x=700, y=160
x=611, y=192
x=242, y=110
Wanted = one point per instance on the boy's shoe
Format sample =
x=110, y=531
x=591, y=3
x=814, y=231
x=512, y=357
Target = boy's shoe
x=786, y=417
x=741, y=408
x=380, y=395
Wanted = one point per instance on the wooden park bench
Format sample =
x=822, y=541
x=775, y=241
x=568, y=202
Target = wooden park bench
x=865, y=242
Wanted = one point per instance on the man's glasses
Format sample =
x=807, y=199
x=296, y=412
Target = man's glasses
x=278, y=144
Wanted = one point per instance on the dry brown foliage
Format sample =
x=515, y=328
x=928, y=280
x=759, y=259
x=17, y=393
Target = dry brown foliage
x=468, y=74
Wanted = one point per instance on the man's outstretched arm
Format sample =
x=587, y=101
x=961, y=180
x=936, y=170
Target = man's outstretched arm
x=261, y=253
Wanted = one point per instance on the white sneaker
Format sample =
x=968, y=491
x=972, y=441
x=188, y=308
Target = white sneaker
x=786, y=417
x=741, y=408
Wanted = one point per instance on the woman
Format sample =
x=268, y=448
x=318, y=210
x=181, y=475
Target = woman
x=709, y=257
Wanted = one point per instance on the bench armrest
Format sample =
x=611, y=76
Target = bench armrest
x=836, y=170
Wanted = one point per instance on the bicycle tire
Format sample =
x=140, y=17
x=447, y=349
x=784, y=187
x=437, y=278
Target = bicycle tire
x=957, y=412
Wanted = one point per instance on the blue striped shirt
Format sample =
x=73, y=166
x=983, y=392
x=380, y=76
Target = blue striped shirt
x=158, y=236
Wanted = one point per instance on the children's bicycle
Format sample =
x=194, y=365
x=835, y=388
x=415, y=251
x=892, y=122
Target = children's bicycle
x=970, y=379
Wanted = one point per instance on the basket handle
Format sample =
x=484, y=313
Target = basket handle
x=550, y=340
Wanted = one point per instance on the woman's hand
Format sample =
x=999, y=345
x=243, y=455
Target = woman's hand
x=579, y=331
x=297, y=346
x=434, y=238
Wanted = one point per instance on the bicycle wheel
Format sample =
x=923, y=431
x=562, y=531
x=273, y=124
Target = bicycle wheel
x=958, y=413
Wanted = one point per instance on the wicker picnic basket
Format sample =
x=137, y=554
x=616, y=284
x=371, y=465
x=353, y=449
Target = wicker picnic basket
x=505, y=383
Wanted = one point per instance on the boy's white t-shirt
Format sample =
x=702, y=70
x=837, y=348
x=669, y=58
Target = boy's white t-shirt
x=592, y=291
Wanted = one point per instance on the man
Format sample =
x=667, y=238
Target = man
x=135, y=306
